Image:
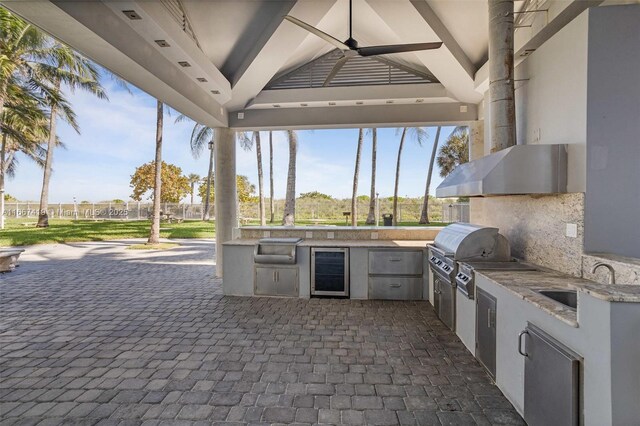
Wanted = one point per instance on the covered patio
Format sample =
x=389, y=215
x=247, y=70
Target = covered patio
x=127, y=338
x=148, y=338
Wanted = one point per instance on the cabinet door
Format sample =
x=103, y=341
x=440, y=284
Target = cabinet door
x=265, y=283
x=447, y=312
x=486, y=311
x=551, y=380
x=287, y=282
x=395, y=262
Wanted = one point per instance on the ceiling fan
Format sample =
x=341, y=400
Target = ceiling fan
x=350, y=47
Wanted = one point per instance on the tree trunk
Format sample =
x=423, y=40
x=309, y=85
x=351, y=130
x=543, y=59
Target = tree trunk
x=263, y=219
x=154, y=234
x=289, y=215
x=43, y=215
x=193, y=184
x=356, y=174
x=395, y=188
x=3, y=153
x=207, y=195
x=424, y=216
x=371, y=217
x=501, y=85
x=271, y=212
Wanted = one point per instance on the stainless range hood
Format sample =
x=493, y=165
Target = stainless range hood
x=520, y=169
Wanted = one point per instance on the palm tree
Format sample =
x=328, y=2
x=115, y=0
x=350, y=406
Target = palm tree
x=27, y=53
x=193, y=179
x=246, y=142
x=356, y=173
x=454, y=152
x=23, y=129
x=154, y=233
x=75, y=72
x=419, y=134
x=271, y=212
x=202, y=136
x=289, y=215
x=371, y=217
x=424, y=216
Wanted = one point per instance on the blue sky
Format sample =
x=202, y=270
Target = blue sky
x=119, y=135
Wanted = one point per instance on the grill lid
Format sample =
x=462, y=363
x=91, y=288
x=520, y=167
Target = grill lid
x=468, y=241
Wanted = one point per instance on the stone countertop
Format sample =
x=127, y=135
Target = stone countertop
x=344, y=243
x=628, y=293
x=338, y=228
x=523, y=284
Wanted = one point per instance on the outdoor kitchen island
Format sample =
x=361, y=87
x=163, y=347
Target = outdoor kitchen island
x=358, y=263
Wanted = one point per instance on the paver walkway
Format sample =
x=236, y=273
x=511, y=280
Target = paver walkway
x=92, y=333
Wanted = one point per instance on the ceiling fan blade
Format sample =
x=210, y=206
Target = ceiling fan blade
x=335, y=70
x=313, y=30
x=397, y=48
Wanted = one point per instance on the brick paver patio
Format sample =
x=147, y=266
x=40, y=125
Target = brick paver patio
x=95, y=334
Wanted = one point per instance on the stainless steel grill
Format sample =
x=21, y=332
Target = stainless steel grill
x=461, y=242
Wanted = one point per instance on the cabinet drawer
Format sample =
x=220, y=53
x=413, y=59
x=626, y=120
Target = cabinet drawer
x=395, y=262
x=395, y=288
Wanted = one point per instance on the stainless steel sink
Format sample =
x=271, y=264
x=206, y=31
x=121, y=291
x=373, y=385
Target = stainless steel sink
x=568, y=298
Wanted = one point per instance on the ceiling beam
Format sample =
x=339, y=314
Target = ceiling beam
x=448, y=64
x=380, y=94
x=276, y=51
x=94, y=30
x=241, y=59
x=353, y=117
x=443, y=33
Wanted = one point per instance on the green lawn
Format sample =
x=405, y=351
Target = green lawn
x=65, y=231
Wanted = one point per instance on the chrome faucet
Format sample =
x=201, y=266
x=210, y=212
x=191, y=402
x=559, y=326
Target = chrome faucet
x=612, y=272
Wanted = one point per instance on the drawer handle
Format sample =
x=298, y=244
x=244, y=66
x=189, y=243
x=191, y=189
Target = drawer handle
x=395, y=285
x=395, y=260
x=520, y=336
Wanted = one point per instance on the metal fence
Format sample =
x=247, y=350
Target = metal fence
x=313, y=211
x=106, y=211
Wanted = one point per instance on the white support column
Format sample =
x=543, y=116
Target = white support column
x=476, y=140
x=225, y=190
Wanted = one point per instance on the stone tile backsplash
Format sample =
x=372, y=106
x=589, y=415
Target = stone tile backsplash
x=536, y=227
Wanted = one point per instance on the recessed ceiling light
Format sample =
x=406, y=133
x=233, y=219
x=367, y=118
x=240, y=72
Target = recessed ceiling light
x=332, y=103
x=201, y=79
x=215, y=92
x=184, y=64
x=359, y=103
x=389, y=101
x=162, y=43
x=132, y=14
x=276, y=105
x=419, y=101
x=303, y=105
